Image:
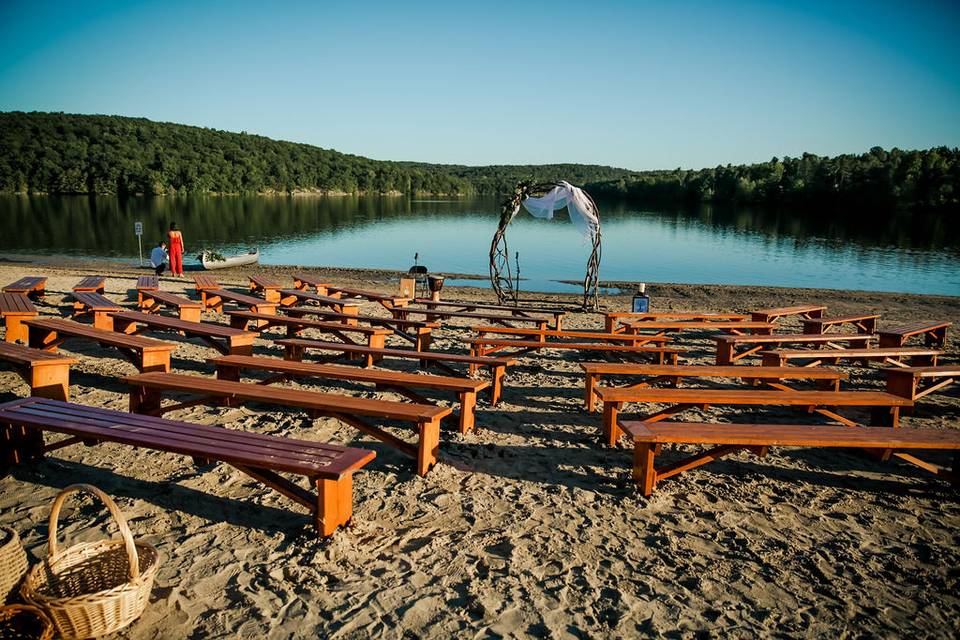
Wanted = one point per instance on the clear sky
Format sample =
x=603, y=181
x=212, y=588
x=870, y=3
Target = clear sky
x=642, y=85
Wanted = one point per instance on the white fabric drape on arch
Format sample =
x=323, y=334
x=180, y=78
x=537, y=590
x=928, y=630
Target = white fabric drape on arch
x=582, y=212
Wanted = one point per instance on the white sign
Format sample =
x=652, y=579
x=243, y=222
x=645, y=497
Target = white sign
x=138, y=228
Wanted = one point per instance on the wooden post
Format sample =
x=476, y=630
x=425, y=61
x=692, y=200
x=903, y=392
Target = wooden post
x=334, y=504
x=429, y=445
x=644, y=473
x=611, y=431
x=468, y=401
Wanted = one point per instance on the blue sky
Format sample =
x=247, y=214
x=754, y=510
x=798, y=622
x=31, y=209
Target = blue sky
x=632, y=84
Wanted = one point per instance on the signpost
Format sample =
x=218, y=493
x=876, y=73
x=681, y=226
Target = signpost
x=138, y=229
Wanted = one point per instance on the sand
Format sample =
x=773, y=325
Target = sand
x=527, y=527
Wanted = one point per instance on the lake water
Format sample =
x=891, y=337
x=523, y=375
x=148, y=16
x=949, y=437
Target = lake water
x=918, y=254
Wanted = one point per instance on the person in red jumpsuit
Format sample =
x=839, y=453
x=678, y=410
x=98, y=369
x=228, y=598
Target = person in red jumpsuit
x=176, y=250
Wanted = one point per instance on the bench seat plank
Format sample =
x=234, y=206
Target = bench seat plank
x=736, y=327
x=304, y=281
x=515, y=311
x=543, y=334
x=226, y=340
x=814, y=357
x=94, y=284
x=146, y=354
x=14, y=309
x=375, y=336
x=269, y=287
x=803, y=310
x=491, y=346
x=613, y=319
x=214, y=299
x=28, y=285
x=418, y=332
x=387, y=300
x=292, y=297
x=864, y=323
x=187, y=309
x=934, y=334
x=146, y=392
x=727, y=352
x=730, y=438
x=908, y=382
x=329, y=468
x=230, y=368
x=432, y=315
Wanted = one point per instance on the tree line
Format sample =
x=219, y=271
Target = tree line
x=111, y=155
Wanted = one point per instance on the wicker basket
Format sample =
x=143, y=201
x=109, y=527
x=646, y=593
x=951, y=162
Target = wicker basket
x=24, y=622
x=13, y=562
x=94, y=588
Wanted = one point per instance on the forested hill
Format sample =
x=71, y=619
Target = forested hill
x=59, y=153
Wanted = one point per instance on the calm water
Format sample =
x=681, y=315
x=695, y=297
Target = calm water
x=918, y=255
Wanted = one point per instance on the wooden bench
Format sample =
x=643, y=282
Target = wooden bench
x=906, y=382
x=515, y=311
x=294, y=349
x=202, y=284
x=542, y=334
x=650, y=374
x=329, y=468
x=48, y=374
x=146, y=283
x=730, y=438
x=292, y=297
x=894, y=356
x=388, y=301
x=375, y=336
x=885, y=407
x=864, y=323
x=187, y=309
x=146, y=396
x=269, y=287
x=14, y=309
x=807, y=311
x=231, y=368
x=431, y=315
x=303, y=281
x=418, y=332
x=145, y=353
x=490, y=346
x=92, y=284
x=612, y=320
x=226, y=340
x=735, y=327
x=88, y=303
x=214, y=299
x=35, y=286
x=934, y=334
x=727, y=345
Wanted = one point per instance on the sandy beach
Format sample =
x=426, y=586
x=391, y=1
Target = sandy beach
x=528, y=526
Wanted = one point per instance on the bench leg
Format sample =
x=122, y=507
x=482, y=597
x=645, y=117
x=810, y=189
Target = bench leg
x=42, y=339
x=19, y=445
x=16, y=330
x=429, y=446
x=334, y=504
x=144, y=401
x=496, y=389
x=190, y=314
x=644, y=473
x=611, y=430
x=102, y=321
x=903, y=385
x=244, y=349
x=50, y=381
x=724, y=353
x=154, y=361
x=936, y=338
x=468, y=401
x=423, y=340
x=293, y=352
x=228, y=372
x=590, y=398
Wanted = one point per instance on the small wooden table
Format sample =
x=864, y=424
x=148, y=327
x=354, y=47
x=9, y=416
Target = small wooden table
x=14, y=309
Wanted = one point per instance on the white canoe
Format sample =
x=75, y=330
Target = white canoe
x=232, y=261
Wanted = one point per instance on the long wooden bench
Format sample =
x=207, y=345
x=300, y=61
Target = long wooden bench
x=612, y=320
x=215, y=298
x=727, y=352
x=305, y=282
x=93, y=284
x=375, y=336
x=491, y=346
x=731, y=438
x=906, y=382
x=328, y=468
x=806, y=311
x=146, y=283
x=515, y=311
x=387, y=300
x=226, y=340
x=885, y=407
x=14, y=309
x=146, y=354
x=48, y=374
x=650, y=374
x=96, y=305
x=269, y=287
x=466, y=389
x=934, y=334
x=864, y=323
x=418, y=332
x=542, y=335
x=187, y=309
x=814, y=357
x=35, y=286
x=295, y=348
x=147, y=391
x=292, y=297
x=432, y=315
x=735, y=327
x=203, y=283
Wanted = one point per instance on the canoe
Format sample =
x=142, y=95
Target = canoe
x=232, y=261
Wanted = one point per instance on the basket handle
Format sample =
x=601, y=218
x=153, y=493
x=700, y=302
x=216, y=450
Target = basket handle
x=132, y=556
